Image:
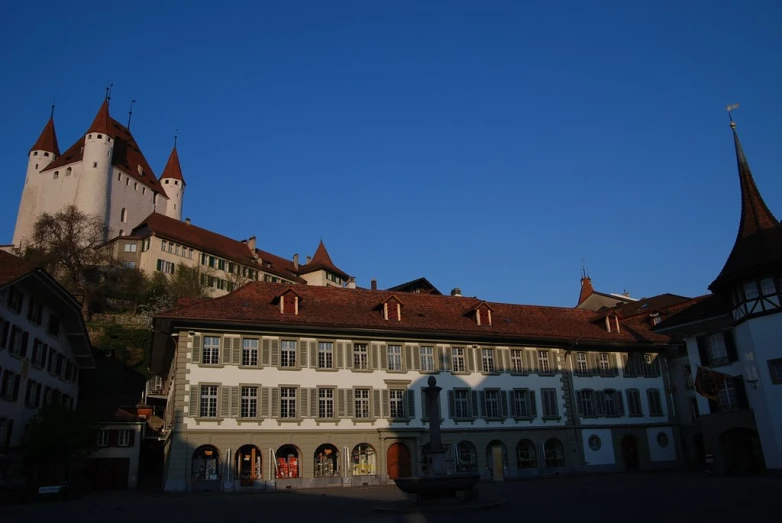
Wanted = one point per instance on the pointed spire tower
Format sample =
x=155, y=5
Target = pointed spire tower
x=321, y=270
x=586, y=285
x=174, y=184
x=756, y=257
x=47, y=141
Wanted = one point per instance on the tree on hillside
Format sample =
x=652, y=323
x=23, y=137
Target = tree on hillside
x=188, y=282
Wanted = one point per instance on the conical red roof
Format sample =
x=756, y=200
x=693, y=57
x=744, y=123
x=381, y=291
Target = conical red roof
x=102, y=121
x=586, y=289
x=48, y=140
x=173, y=170
x=322, y=260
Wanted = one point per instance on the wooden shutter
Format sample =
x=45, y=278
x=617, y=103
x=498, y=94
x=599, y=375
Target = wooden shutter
x=15, y=393
x=407, y=356
x=313, y=354
x=376, y=403
x=227, y=351
x=415, y=358
x=741, y=392
x=350, y=403
x=410, y=394
x=620, y=404
x=340, y=359
x=448, y=361
x=593, y=366
x=531, y=358
x=237, y=352
x=703, y=349
x=236, y=402
x=25, y=339
x=195, y=397
x=475, y=411
x=275, y=353
x=503, y=404
x=265, y=399
x=451, y=405
x=349, y=357
x=533, y=404
x=197, y=340
x=276, y=402
x=439, y=359
x=343, y=402
x=615, y=363
x=482, y=401
x=383, y=356
x=225, y=402
x=266, y=352
x=301, y=354
x=510, y=400
x=302, y=404
x=424, y=406
x=386, y=407
x=600, y=400
x=469, y=359
x=313, y=393
x=730, y=345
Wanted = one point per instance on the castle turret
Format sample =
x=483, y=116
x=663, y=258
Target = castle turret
x=174, y=184
x=43, y=152
x=92, y=193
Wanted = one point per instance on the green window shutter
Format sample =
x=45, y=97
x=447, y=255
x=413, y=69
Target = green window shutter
x=415, y=358
x=349, y=357
x=196, y=349
x=383, y=356
x=600, y=403
x=226, y=349
x=592, y=363
x=616, y=363
x=235, y=402
x=503, y=404
x=410, y=394
x=475, y=411
x=451, y=404
x=424, y=406
x=439, y=359
x=532, y=358
x=469, y=357
x=579, y=404
x=313, y=403
x=510, y=400
x=386, y=408
x=301, y=354
x=225, y=402
x=195, y=397
x=275, y=402
x=342, y=403
x=265, y=399
x=376, y=403
x=533, y=404
x=313, y=354
x=275, y=353
x=266, y=352
x=238, y=345
x=620, y=405
x=340, y=347
x=625, y=365
x=301, y=404
x=350, y=403
x=482, y=401
x=406, y=357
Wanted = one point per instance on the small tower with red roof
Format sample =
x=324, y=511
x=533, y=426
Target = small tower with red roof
x=174, y=184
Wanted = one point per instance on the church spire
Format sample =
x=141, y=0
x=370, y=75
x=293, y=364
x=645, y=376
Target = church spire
x=173, y=170
x=47, y=141
x=102, y=121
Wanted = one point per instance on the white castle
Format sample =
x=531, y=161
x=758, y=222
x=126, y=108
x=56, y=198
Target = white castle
x=103, y=173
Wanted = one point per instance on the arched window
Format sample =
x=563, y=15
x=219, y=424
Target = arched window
x=123, y=215
x=364, y=460
x=68, y=171
x=248, y=463
x=206, y=463
x=287, y=464
x=466, y=457
x=122, y=232
x=555, y=453
x=526, y=457
x=326, y=461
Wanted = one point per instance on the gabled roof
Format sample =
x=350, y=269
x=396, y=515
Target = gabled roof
x=479, y=305
x=758, y=245
x=658, y=303
x=419, y=284
x=102, y=121
x=426, y=314
x=173, y=170
x=392, y=297
x=322, y=261
x=699, y=309
x=48, y=139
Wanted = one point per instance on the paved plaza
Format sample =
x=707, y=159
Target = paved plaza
x=659, y=497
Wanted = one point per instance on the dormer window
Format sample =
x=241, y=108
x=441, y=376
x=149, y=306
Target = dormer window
x=141, y=170
x=289, y=302
x=612, y=323
x=656, y=318
x=481, y=314
x=392, y=309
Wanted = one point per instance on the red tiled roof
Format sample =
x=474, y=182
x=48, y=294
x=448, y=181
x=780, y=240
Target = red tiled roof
x=697, y=309
x=101, y=123
x=357, y=308
x=173, y=170
x=12, y=267
x=586, y=290
x=758, y=245
x=48, y=139
x=661, y=302
x=417, y=285
x=322, y=260
x=279, y=265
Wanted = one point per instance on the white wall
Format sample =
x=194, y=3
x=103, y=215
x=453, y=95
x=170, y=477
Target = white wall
x=656, y=451
x=131, y=452
x=605, y=454
x=621, y=384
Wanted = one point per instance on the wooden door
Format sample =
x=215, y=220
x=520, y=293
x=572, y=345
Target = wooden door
x=630, y=453
x=498, y=470
x=398, y=460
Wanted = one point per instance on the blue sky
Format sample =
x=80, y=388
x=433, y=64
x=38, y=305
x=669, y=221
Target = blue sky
x=484, y=145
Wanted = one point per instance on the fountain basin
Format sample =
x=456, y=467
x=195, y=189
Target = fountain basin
x=431, y=487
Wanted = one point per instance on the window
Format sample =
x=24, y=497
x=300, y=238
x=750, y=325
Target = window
x=605, y=366
x=9, y=387
x=250, y=352
x=211, y=352
x=178, y=249
x=522, y=403
x=325, y=355
x=364, y=460
x=249, y=402
x=427, y=359
x=166, y=267
x=555, y=453
x=68, y=171
x=208, y=401
x=461, y=403
x=103, y=438
x=396, y=403
x=457, y=359
x=361, y=403
x=492, y=404
x=525, y=455
x=587, y=403
x=543, y=363
x=517, y=360
x=694, y=411
x=135, y=186
x=466, y=457
x=610, y=403
x=655, y=402
x=288, y=402
x=394, y=357
x=56, y=175
x=775, y=368
x=549, y=399
x=581, y=363
x=487, y=360
x=124, y=438
x=728, y=399
x=750, y=290
x=35, y=311
x=718, y=352
x=634, y=403
x=15, y=299
x=287, y=353
x=326, y=403
x=123, y=215
x=130, y=247
x=360, y=356
x=32, y=396
x=129, y=264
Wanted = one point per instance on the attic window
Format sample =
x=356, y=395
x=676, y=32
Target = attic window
x=289, y=303
x=35, y=153
x=392, y=310
x=656, y=318
x=482, y=315
x=46, y=154
x=166, y=182
x=141, y=170
x=89, y=136
x=56, y=174
x=68, y=171
x=612, y=323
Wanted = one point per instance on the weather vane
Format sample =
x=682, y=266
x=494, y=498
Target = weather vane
x=729, y=108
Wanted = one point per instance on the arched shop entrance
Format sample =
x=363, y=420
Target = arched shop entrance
x=247, y=466
x=399, y=461
x=326, y=461
x=363, y=460
x=286, y=463
x=205, y=472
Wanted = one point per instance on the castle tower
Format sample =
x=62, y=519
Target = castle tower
x=92, y=192
x=43, y=152
x=174, y=184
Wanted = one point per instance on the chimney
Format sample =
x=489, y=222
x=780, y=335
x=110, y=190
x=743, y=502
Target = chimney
x=187, y=221
x=251, y=244
x=374, y=284
x=352, y=282
x=296, y=261
x=456, y=292
x=309, y=259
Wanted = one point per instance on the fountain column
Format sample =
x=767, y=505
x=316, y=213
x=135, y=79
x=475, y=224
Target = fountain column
x=436, y=450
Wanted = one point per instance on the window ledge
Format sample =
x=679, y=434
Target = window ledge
x=496, y=418
x=547, y=374
x=551, y=418
x=395, y=371
x=524, y=418
x=514, y=373
x=280, y=367
x=362, y=370
x=363, y=420
x=248, y=367
x=326, y=370
x=428, y=372
x=492, y=373
x=461, y=373
x=211, y=366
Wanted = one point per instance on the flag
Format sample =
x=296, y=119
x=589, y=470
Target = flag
x=709, y=382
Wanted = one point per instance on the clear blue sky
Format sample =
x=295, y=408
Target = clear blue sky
x=485, y=145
